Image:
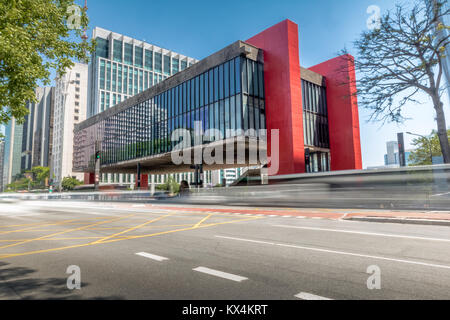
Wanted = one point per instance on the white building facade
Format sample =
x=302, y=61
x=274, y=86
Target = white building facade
x=70, y=108
x=122, y=67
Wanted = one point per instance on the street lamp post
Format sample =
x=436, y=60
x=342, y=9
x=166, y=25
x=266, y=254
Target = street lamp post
x=429, y=143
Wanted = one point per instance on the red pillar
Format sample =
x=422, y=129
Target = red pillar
x=89, y=178
x=343, y=117
x=144, y=181
x=283, y=93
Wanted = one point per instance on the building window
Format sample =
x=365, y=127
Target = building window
x=76, y=118
x=78, y=75
x=108, y=76
x=148, y=59
x=138, y=56
x=77, y=103
x=77, y=89
x=128, y=54
x=118, y=50
x=158, y=62
x=175, y=65
x=315, y=115
x=166, y=64
x=102, y=48
x=183, y=64
x=77, y=96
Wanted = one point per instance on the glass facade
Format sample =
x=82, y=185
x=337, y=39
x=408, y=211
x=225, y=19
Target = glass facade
x=315, y=115
x=227, y=97
x=131, y=70
x=315, y=126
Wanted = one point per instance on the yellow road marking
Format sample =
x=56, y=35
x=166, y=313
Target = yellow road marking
x=203, y=220
x=70, y=230
x=184, y=229
x=41, y=225
x=4, y=256
x=131, y=229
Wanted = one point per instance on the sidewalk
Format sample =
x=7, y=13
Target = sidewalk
x=389, y=216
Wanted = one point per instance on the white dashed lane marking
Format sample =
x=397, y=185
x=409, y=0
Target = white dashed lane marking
x=309, y=296
x=151, y=256
x=220, y=274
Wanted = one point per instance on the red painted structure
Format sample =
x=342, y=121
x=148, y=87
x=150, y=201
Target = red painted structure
x=343, y=117
x=284, y=110
x=283, y=93
x=144, y=181
x=89, y=178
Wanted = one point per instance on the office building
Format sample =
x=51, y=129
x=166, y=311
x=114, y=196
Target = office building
x=122, y=67
x=12, y=151
x=37, y=135
x=70, y=109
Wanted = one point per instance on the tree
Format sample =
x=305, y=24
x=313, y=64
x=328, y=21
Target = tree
x=69, y=183
x=35, y=37
x=402, y=58
x=171, y=186
x=19, y=184
x=421, y=155
x=40, y=174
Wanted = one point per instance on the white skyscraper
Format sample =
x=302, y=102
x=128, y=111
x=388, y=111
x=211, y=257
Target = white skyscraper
x=70, y=109
x=122, y=67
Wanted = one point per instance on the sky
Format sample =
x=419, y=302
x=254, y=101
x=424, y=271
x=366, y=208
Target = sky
x=198, y=28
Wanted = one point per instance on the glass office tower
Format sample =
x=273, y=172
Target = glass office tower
x=122, y=67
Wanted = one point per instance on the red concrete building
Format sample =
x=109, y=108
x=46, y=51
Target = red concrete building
x=255, y=84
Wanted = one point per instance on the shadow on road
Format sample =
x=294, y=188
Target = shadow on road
x=20, y=283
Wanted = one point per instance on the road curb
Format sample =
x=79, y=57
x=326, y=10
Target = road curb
x=427, y=222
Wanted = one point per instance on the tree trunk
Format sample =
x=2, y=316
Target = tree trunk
x=442, y=128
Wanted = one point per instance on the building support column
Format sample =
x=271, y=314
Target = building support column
x=152, y=184
x=138, y=177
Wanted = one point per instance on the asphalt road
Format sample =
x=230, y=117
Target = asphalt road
x=127, y=251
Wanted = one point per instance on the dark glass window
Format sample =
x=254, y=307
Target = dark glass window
x=202, y=90
x=158, y=62
x=315, y=117
x=138, y=56
x=128, y=54
x=238, y=77
x=226, y=74
x=166, y=65
x=183, y=64
x=149, y=59
x=102, y=48
x=175, y=65
x=118, y=50
x=221, y=91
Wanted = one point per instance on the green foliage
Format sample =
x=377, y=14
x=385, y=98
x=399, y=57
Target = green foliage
x=69, y=183
x=35, y=38
x=40, y=174
x=20, y=185
x=421, y=155
x=171, y=186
